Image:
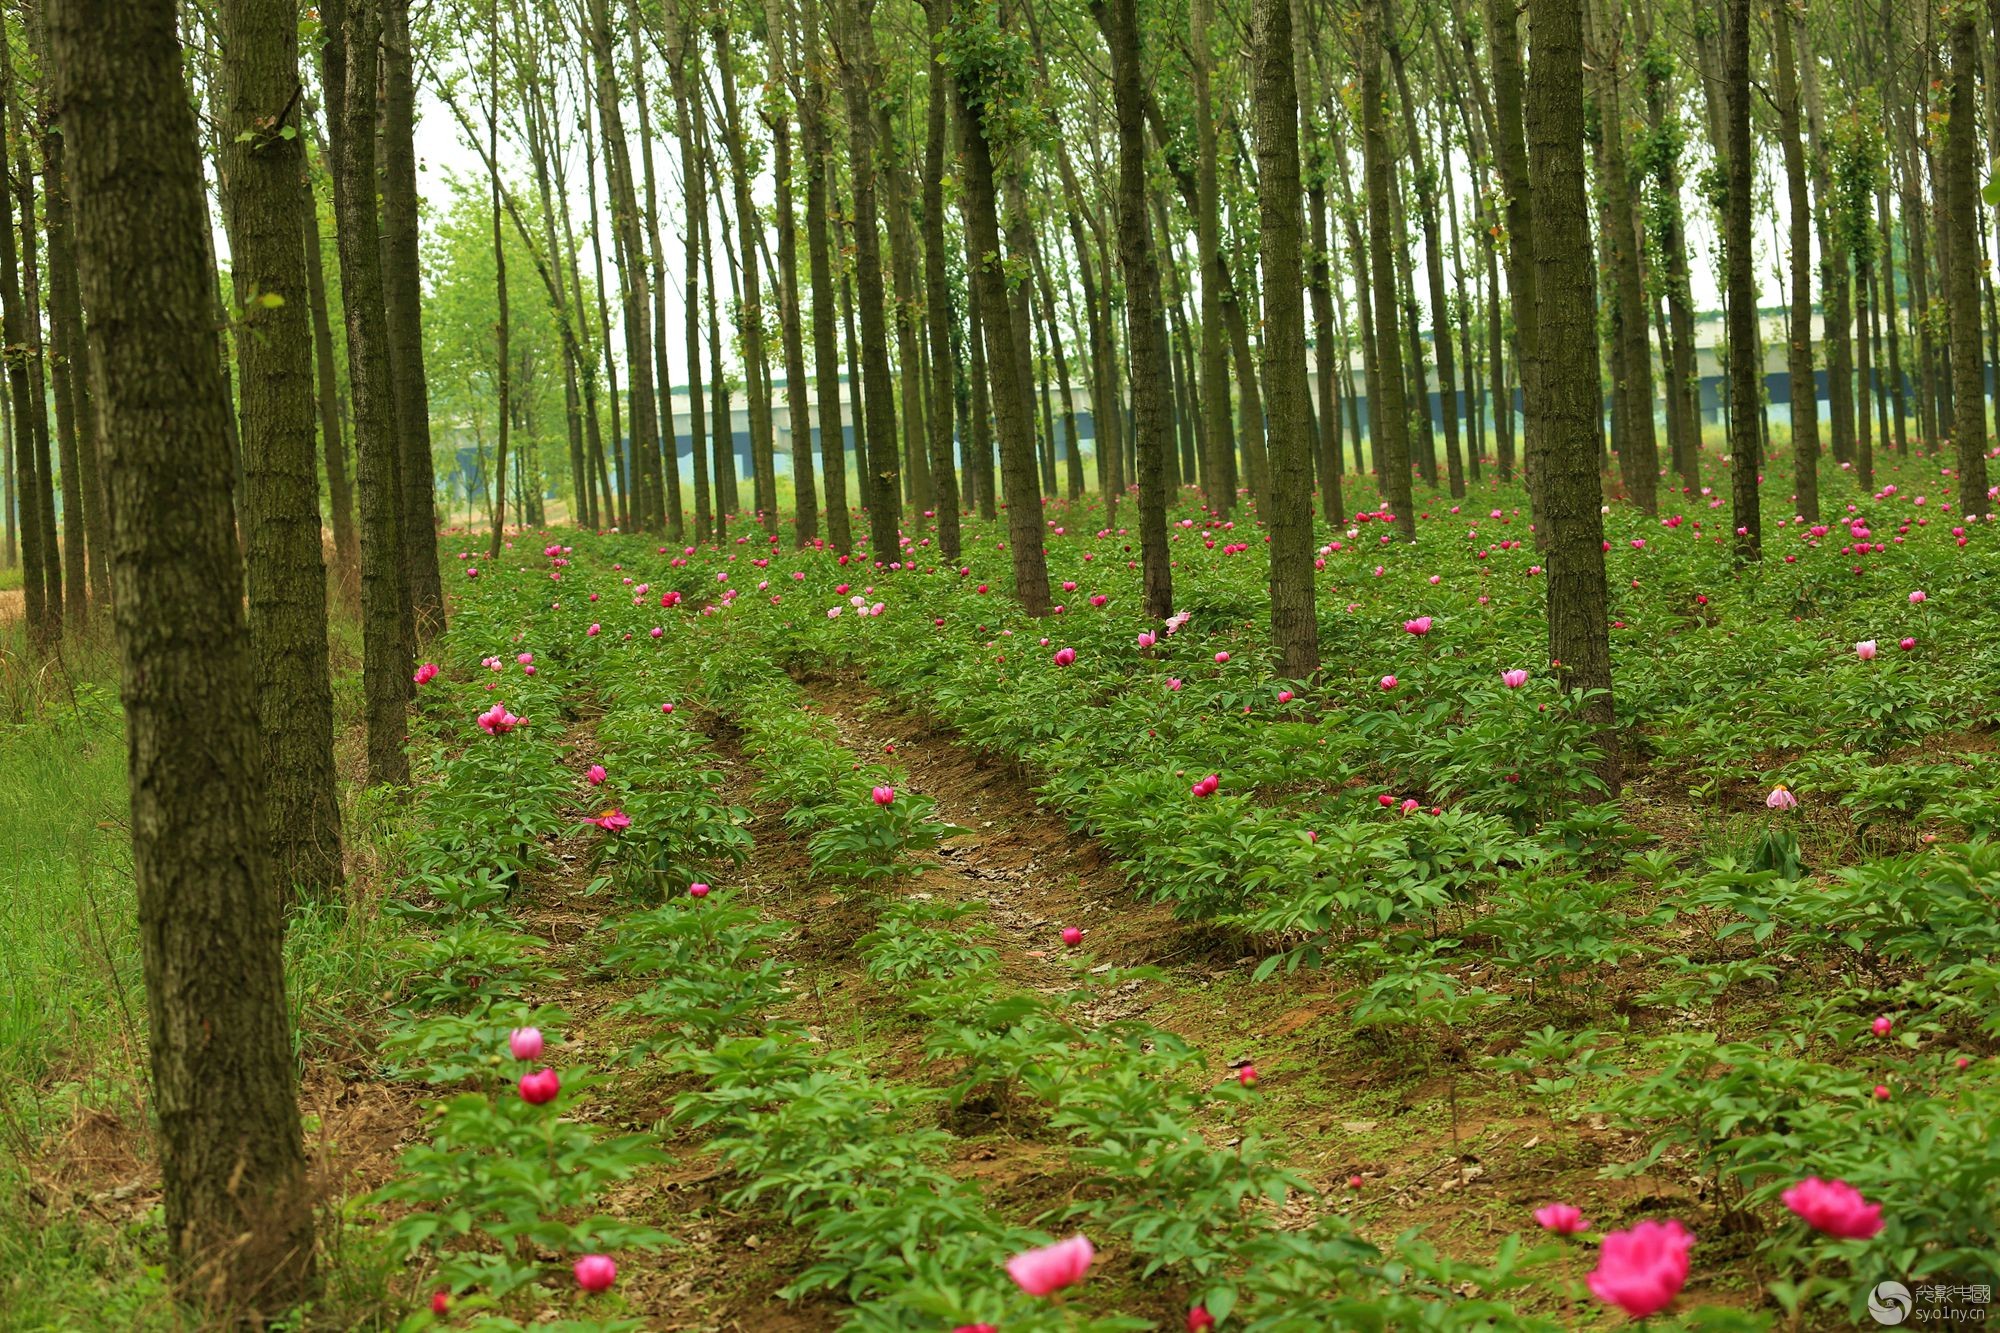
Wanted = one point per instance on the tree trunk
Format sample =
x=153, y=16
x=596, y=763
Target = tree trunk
x=41, y=586
x=1565, y=395
x=1510, y=156
x=503, y=367
x=1388, y=408
x=1151, y=407
x=667, y=467
x=1214, y=364
x=647, y=498
x=826, y=337
x=333, y=438
x=750, y=312
x=1799, y=357
x=937, y=291
x=1891, y=320
x=86, y=570
x=798, y=396
x=1966, y=256
x=239, y=1229
x=858, y=77
x=1740, y=287
x=1638, y=454
x=1009, y=398
x=286, y=567
x=353, y=31
x=682, y=53
x=1288, y=506
x=980, y=469
x=402, y=295
x=1424, y=173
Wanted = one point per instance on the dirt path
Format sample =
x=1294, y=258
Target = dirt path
x=1434, y=1141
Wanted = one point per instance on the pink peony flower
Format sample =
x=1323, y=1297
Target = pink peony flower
x=1199, y=1320
x=1053, y=1267
x=1065, y=656
x=884, y=795
x=1514, y=679
x=1641, y=1271
x=596, y=775
x=426, y=673
x=610, y=821
x=1907, y=644
x=1835, y=1207
x=1565, y=1219
x=525, y=1043
x=697, y=890
x=595, y=1272
x=1072, y=936
x=1865, y=650
x=1419, y=627
x=1781, y=798
x=1388, y=682
x=497, y=721
x=1917, y=597
x=540, y=1087
x=1146, y=638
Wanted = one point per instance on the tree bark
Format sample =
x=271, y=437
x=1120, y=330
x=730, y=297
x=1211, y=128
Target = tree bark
x=1798, y=356
x=798, y=396
x=1151, y=407
x=263, y=165
x=819, y=261
x=41, y=586
x=333, y=437
x=1966, y=256
x=1388, y=408
x=1740, y=287
x=1564, y=396
x=1009, y=398
x=1638, y=453
x=937, y=290
x=353, y=30
x=1288, y=506
x=239, y=1226
x=402, y=294
x=858, y=77
x=750, y=313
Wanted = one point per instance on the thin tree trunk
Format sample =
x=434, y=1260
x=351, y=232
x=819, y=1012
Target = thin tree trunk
x=1891, y=320
x=859, y=79
x=41, y=585
x=937, y=292
x=826, y=338
x=1288, y=506
x=1638, y=454
x=1151, y=407
x=402, y=295
x=1740, y=287
x=1008, y=395
x=239, y=1230
x=349, y=73
x=798, y=396
x=503, y=368
x=750, y=312
x=1564, y=397
x=333, y=438
x=1966, y=256
x=1388, y=410
x=1799, y=357
x=667, y=468
x=286, y=568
